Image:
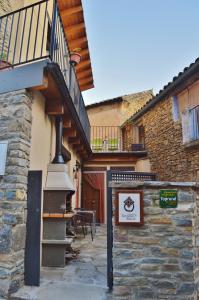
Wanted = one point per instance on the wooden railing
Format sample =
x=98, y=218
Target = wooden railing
x=109, y=139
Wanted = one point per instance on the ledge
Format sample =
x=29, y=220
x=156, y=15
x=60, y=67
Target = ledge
x=67, y=241
x=62, y=216
x=191, y=144
x=155, y=184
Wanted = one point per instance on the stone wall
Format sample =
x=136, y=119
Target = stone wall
x=160, y=259
x=169, y=158
x=15, y=127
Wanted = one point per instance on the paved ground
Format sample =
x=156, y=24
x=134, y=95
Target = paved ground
x=83, y=278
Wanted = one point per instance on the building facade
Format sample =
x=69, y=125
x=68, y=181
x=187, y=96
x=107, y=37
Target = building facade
x=43, y=122
x=169, y=126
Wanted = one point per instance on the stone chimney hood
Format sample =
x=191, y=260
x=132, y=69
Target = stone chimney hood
x=58, y=179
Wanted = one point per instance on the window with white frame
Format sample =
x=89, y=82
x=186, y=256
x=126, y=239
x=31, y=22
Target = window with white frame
x=190, y=124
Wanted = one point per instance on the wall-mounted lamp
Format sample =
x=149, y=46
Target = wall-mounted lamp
x=75, y=59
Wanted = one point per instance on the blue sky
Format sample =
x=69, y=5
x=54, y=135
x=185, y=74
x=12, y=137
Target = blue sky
x=139, y=44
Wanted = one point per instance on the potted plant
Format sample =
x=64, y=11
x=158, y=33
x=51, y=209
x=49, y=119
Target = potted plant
x=75, y=57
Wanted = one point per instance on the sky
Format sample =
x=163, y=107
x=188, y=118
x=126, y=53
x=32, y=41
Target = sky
x=137, y=45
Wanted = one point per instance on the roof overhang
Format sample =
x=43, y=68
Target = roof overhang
x=73, y=20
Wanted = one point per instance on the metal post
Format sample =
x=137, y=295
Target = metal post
x=53, y=30
x=109, y=233
x=70, y=77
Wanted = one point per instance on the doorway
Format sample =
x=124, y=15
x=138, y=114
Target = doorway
x=93, y=193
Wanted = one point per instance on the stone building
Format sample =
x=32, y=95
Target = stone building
x=168, y=125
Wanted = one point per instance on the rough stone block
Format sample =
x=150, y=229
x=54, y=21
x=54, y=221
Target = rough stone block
x=187, y=265
x=186, y=288
x=183, y=222
x=160, y=220
x=185, y=196
x=18, y=237
x=131, y=281
x=164, y=284
x=144, y=240
x=4, y=273
x=9, y=219
x=5, y=238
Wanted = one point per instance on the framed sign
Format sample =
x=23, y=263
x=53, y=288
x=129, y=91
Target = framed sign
x=129, y=208
x=3, y=155
x=168, y=198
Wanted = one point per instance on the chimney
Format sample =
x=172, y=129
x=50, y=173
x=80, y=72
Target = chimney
x=57, y=176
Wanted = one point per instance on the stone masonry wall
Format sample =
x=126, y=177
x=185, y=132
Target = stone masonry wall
x=163, y=140
x=160, y=259
x=15, y=127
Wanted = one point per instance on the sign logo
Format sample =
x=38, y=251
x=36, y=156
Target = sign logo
x=129, y=204
x=168, y=198
x=129, y=208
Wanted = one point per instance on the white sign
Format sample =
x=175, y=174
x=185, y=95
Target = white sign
x=129, y=208
x=3, y=156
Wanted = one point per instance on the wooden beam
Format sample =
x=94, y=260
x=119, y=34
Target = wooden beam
x=74, y=28
x=82, y=152
x=86, y=87
x=43, y=86
x=69, y=133
x=83, y=64
x=69, y=11
x=86, y=80
x=53, y=108
x=84, y=52
x=76, y=42
x=67, y=123
x=74, y=140
x=83, y=74
x=78, y=148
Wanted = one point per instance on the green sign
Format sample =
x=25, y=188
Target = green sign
x=168, y=198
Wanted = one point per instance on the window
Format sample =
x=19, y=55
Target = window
x=176, y=114
x=190, y=124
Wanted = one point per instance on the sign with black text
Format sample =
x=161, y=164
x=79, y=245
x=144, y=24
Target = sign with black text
x=3, y=156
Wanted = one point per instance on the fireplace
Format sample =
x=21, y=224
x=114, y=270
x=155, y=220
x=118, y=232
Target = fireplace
x=57, y=212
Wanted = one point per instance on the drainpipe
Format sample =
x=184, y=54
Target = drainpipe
x=58, y=159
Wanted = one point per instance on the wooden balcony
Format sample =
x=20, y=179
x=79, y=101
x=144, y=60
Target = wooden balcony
x=35, y=34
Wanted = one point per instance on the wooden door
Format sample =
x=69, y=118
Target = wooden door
x=90, y=198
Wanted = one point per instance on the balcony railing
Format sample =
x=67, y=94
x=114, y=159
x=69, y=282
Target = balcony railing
x=118, y=176
x=109, y=139
x=34, y=33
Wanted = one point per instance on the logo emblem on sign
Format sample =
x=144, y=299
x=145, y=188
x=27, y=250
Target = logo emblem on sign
x=129, y=204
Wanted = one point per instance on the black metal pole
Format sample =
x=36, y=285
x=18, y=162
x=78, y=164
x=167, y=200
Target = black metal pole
x=58, y=159
x=109, y=234
x=70, y=76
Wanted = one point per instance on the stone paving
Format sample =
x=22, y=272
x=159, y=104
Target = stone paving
x=83, y=278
